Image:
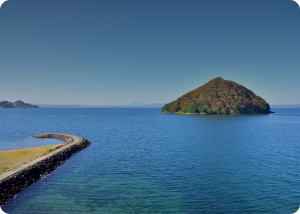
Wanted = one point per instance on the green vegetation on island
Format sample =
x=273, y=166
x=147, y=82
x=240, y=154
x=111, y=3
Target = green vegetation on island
x=219, y=96
x=17, y=104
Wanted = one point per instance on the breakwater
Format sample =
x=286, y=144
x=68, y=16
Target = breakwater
x=14, y=181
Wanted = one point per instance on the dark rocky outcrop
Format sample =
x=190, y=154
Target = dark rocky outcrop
x=17, y=104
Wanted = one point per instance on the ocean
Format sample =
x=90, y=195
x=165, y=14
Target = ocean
x=143, y=161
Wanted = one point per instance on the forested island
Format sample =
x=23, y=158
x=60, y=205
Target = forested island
x=219, y=96
x=17, y=104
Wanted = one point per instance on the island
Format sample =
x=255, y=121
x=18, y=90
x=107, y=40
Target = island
x=219, y=96
x=17, y=104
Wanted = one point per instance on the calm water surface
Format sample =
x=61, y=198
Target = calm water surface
x=142, y=161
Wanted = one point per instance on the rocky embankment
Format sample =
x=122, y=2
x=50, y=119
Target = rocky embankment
x=14, y=181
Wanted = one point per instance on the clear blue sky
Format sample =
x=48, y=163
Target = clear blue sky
x=153, y=51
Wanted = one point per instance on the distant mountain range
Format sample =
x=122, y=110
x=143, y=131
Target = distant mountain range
x=131, y=105
x=135, y=104
x=17, y=104
x=142, y=105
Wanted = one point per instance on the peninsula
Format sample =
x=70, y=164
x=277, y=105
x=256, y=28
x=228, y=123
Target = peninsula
x=15, y=180
x=219, y=96
x=17, y=104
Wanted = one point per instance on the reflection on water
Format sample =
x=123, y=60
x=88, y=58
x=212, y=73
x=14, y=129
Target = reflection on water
x=142, y=161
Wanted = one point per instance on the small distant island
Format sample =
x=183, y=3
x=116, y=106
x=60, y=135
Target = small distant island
x=17, y=104
x=219, y=96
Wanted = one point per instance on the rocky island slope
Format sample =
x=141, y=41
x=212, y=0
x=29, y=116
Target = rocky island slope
x=219, y=96
x=17, y=104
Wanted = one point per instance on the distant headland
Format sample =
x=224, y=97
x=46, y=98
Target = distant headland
x=219, y=96
x=17, y=104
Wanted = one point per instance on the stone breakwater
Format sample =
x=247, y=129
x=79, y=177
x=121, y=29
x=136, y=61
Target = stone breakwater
x=14, y=181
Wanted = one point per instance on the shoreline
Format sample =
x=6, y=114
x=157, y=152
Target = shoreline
x=183, y=113
x=15, y=180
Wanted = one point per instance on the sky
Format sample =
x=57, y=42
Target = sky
x=114, y=52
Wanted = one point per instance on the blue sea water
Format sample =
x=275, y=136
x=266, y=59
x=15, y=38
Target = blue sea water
x=143, y=161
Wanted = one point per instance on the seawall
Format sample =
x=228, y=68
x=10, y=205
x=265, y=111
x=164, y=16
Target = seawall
x=14, y=181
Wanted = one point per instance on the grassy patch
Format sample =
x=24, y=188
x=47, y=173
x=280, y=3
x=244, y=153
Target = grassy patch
x=13, y=158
